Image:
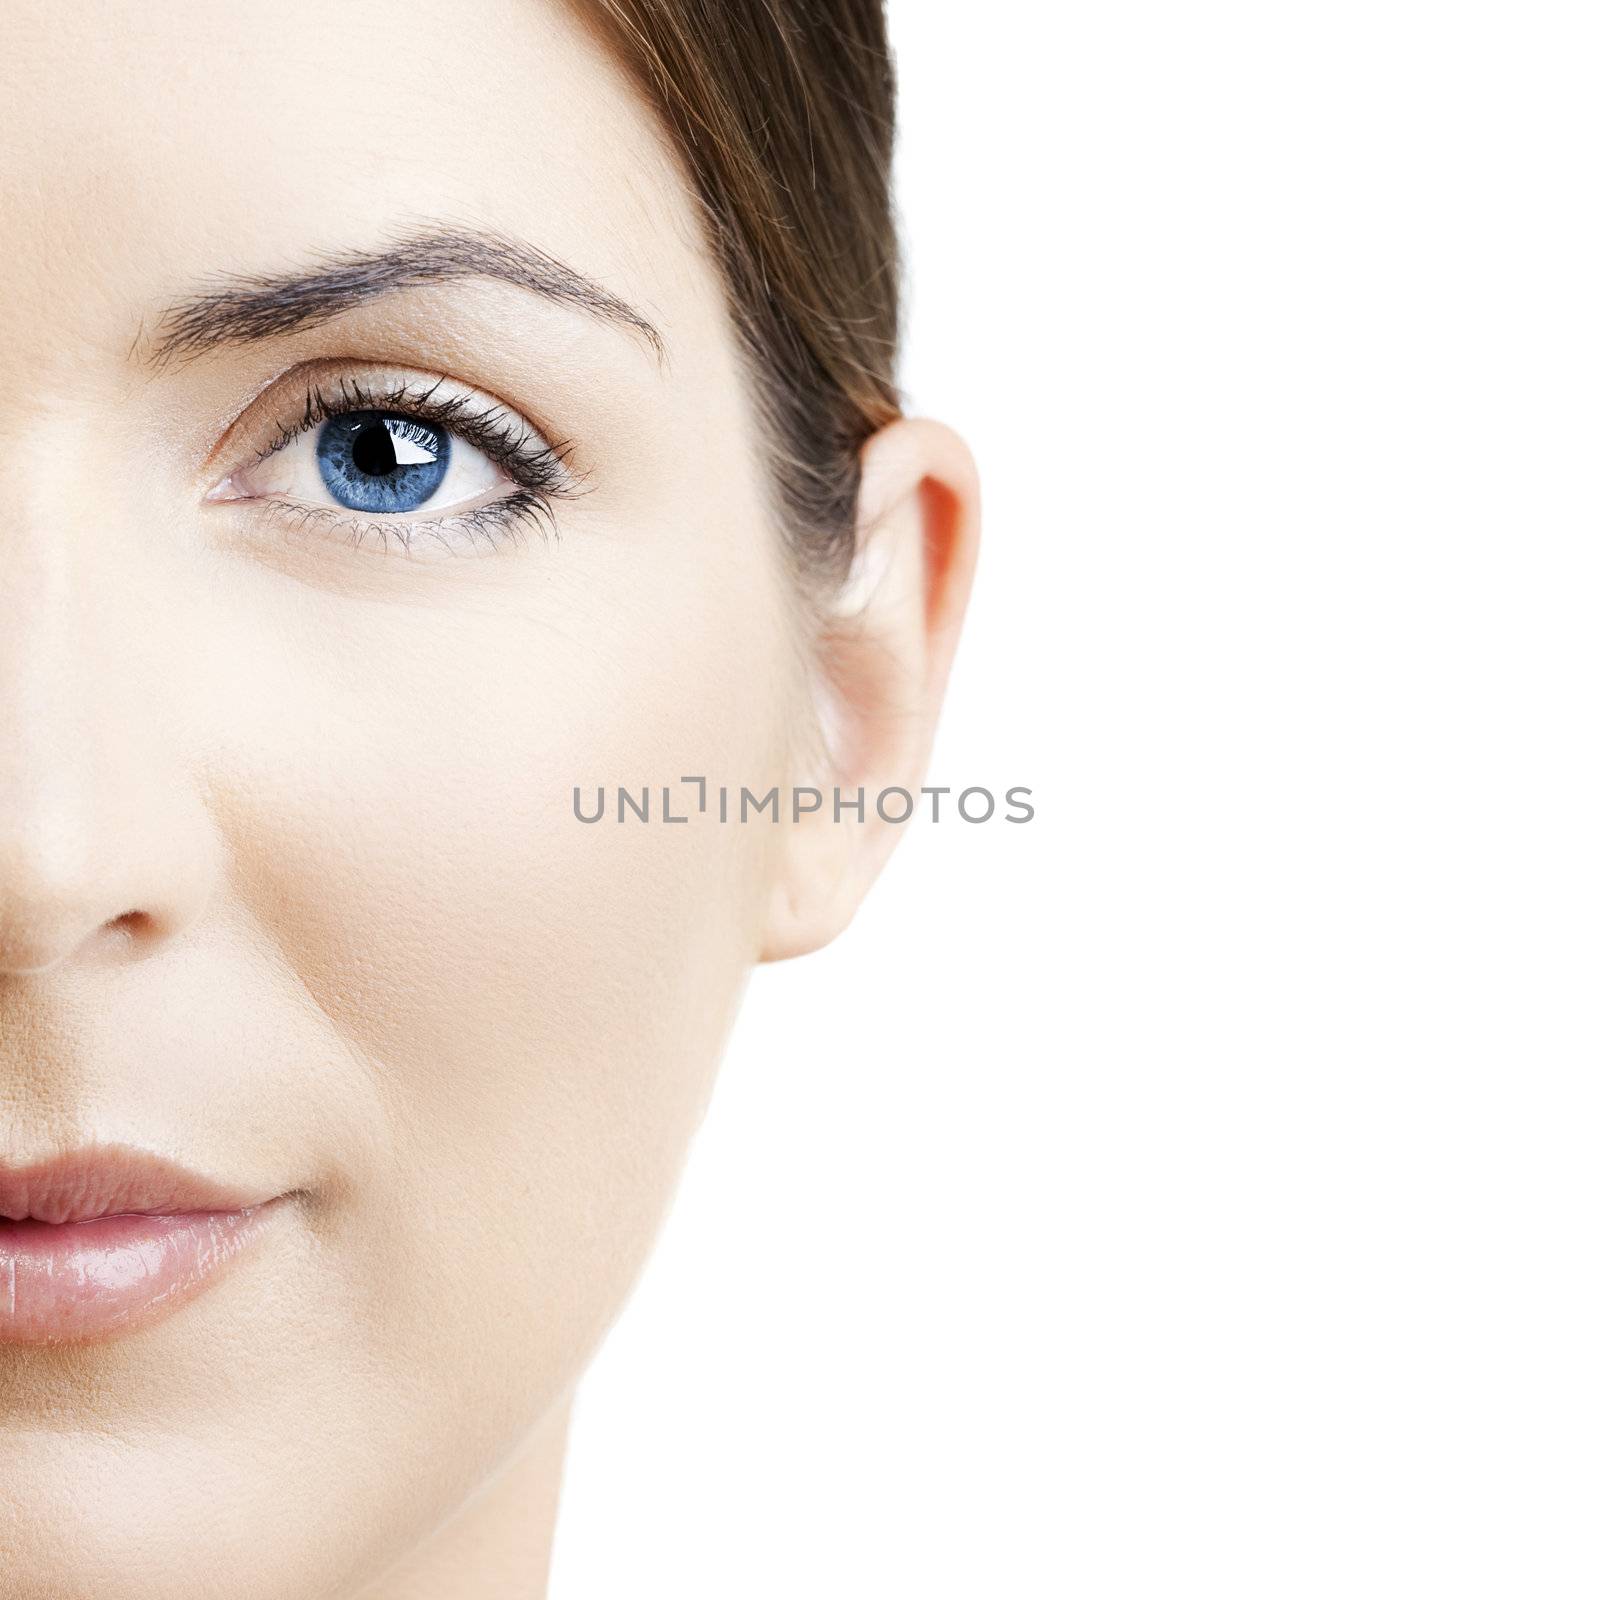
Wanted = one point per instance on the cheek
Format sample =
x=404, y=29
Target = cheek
x=531, y=1006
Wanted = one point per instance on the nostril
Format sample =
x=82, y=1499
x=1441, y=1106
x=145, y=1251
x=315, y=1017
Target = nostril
x=130, y=927
x=34, y=950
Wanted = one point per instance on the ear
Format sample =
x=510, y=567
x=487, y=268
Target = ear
x=882, y=659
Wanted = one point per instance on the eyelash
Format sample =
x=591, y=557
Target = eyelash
x=540, y=470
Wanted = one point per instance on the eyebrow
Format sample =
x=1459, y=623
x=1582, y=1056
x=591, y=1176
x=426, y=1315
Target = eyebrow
x=243, y=309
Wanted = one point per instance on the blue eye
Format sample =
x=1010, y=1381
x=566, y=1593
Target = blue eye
x=381, y=461
x=409, y=462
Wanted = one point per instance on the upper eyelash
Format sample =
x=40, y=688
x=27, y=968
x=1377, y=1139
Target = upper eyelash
x=540, y=469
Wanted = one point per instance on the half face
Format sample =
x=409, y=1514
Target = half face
x=327, y=573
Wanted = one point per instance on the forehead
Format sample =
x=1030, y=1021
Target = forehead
x=150, y=147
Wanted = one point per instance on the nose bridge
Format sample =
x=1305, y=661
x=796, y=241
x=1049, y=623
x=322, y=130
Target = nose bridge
x=105, y=844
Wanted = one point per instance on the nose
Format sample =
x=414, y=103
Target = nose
x=107, y=850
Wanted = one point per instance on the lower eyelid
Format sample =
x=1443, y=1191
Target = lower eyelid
x=482, y=530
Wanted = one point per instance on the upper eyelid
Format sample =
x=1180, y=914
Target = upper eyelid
x=390, y=379
x=478, y=413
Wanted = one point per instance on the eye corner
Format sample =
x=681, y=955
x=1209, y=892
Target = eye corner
x=224, y=492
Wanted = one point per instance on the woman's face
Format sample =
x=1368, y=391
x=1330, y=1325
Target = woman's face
x=292, y=890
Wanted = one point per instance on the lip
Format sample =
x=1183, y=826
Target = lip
x=101, y=1241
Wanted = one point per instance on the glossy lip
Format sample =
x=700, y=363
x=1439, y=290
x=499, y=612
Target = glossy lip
x=100, y=1241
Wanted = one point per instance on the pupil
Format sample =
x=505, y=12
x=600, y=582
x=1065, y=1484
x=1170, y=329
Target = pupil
x=372, y=450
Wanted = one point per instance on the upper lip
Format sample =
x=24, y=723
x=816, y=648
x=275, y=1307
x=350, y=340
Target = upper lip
x=109, y=1181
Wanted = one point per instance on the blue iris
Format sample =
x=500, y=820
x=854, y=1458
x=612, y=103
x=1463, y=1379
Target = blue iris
x=381, y=461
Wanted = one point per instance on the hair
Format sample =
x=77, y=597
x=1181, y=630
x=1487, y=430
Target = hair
x=783, y=113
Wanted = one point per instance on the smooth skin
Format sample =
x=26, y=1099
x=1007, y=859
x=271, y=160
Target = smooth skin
x=291, y=888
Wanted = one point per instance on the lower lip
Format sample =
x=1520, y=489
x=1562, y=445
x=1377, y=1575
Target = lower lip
x=62, y=1281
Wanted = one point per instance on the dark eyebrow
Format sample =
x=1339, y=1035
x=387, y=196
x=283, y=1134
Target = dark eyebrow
x=245, y=308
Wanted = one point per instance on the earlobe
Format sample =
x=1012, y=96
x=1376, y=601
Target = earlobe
x=883, y=658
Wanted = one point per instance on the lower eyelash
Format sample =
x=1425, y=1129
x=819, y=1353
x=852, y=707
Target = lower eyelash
x=500, y=523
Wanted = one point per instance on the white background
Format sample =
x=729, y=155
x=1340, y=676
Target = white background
x=1192, y=1192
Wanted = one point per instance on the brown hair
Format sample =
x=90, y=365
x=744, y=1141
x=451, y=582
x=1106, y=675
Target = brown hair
x=783, y=112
